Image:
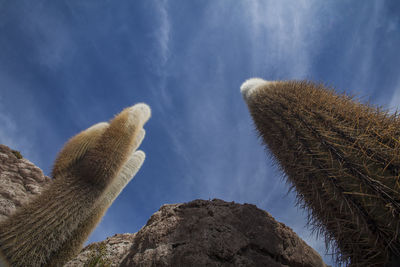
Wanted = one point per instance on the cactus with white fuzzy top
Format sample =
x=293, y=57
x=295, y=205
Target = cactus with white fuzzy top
x=89, y=173
x=343, y=160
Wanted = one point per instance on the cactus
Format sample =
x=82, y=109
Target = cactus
x=341, y=157
x=89, y=173
x=72, y=246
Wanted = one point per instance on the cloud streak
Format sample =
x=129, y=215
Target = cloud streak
x=187, y=59
x=283, y=36
x=224, y=159
x=213, y=134
x=161, y=53
x=164, y=31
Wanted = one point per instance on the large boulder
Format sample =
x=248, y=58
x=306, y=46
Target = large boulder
x=198, y=233
x=204, y=233
x=217, y=233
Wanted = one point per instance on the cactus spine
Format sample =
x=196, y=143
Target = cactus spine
x=343, y=160
x=73, y=245
x=89, y=173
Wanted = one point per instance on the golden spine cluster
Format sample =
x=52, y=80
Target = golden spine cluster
x=89, y=173
x=342, y=158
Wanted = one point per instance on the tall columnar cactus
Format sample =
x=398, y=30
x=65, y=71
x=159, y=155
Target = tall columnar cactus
x=89, y=173
x=343, y=160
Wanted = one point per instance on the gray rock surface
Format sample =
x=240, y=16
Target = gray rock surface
x=198, y=233
x=218, y=233
x=204, y=233
x=20, y=180
x=109, y=252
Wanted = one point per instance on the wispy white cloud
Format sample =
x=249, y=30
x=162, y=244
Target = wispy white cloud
x=283, y=35
x=163, y=31
x=360, y=51
x=161, y=52
x=158, y=61
x=219, y=153
x=226, y=159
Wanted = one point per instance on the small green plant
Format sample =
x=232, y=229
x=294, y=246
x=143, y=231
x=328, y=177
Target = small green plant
x=17, y=154
x=97, y=257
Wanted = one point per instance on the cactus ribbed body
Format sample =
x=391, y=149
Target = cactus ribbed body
x=89, y=173
x=30, y=236
x=72, y=245
x=343, y=160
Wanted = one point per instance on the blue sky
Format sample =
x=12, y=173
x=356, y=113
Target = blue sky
x=66, y=65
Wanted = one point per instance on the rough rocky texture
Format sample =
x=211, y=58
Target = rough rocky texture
x=217, y=233
x=198, y=233
x=20, y=180
x=205, y=233
x=109, y=252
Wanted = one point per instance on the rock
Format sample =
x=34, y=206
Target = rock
x=20, y=180
x=198, y=233
x=109, y=252
x=217, y=233
x=205, y=233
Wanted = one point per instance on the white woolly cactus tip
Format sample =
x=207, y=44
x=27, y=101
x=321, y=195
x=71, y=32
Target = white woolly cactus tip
x=249, y=86
x=142, y=110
